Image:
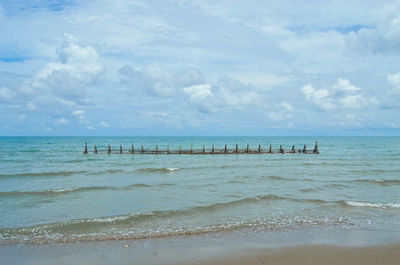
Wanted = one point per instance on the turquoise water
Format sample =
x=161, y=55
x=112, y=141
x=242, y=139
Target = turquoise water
x=51, y=192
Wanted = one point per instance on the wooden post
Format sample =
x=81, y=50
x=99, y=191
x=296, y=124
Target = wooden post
x=213, y=150
x=133, y=149
x=95, y=149
x=167, y=148
x=237, y=148
x=281, y=150
x=191, y=149
x=109, y=149
x=259, y=148
x=293, y=149
x=305, y=149
x=316, y=150
x=141, y=149
x=226, y=148
x=156, y=148
x=204, y=148
x=85, y=150
x=120, y=149
x=248, y=148
x=270, y=148
x=180, y=149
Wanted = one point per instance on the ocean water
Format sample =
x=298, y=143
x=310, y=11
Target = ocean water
x=51, y=192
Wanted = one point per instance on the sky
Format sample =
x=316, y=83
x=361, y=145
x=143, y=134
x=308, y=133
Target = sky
x=200, y=67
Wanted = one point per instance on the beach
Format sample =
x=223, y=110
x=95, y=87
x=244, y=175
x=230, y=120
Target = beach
x=328, y=255
x=307, y=246
x=59, y=205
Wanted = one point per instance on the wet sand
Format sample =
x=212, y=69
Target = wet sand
x=327, y=255
x=311, y=245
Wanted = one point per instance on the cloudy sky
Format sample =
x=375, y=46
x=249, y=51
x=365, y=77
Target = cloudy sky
x=200, y=67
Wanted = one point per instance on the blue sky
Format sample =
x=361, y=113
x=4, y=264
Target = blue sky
x=200, y=67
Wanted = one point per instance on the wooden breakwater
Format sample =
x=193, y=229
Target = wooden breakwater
x=203, y=151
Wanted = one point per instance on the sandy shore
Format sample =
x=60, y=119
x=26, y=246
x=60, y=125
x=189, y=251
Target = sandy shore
x=311, y=245
x=327, y=255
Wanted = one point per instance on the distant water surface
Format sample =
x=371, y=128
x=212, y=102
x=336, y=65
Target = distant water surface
x=51, y=192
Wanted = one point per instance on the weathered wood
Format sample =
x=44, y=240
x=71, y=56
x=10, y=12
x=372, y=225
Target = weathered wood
x=224, y=150
x=85, y=151
x=316, y=150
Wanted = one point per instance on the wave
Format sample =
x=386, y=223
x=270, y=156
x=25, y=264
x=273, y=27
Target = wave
x=307, y=190
x=291, y=179
x=57, y=192
x=54, y=192
x=42, y=174
x=137, y=185
x=156, y=170
x=45, y=235
x=154, y=224
x=373, y=205
x=70, y=173
x=383, y=182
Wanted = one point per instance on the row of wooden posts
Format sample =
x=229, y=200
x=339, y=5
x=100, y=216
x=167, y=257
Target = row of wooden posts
x=212, y=151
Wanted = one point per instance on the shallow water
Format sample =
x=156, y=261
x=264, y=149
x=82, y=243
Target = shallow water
x=51, y=192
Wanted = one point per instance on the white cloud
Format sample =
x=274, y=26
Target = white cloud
x=225, y=93
x=90, y=127
x=61, y=121
x=104, y=124
x=342, y=95
x=158, y=82
x=344, y=85
x=284, y=112
x=394, y=80
x=78, y=112
x=213, y=57
x=201, y=96
x=320, y=97
x=262, y=80
x=68, y=77
x=5, y=93
x=198, y=92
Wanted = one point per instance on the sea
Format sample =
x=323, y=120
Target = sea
x=51, y=192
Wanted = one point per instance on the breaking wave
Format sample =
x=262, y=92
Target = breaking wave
x=374, y=205
x=153, y=224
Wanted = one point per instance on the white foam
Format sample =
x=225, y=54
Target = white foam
x=375, y=205
x=63, y=190
x=172, y=168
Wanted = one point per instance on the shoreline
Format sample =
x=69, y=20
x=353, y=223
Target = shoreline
x=305, y=245
x=302, y=255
